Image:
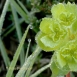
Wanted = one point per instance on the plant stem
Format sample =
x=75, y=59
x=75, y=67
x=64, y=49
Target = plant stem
x=40, y=71
x=68, y=75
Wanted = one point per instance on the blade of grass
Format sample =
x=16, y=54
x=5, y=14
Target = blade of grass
x=3, y=14
x=27, y=63
x=23, y=7
x=20, y=11
x=40, y=71
x=37, y=73
x=30, y=68
x=3, y=50
x=4, y=54
x=19, y=33
x=27, y=17
x=15, y=58
x=29, y=40
x=12, y=27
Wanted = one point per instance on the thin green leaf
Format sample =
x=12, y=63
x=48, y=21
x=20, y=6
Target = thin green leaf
x=20, y=11
x=40, y=71
x=19, y=33
x=4, y=54
x=30, y=60
x=3, y=14
x=15, y=58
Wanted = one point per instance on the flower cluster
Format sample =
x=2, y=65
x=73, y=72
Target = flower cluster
x=59, y=33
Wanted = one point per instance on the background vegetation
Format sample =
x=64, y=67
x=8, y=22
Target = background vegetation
x=17, y=16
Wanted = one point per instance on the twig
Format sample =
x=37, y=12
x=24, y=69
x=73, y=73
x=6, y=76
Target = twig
x=68, y=75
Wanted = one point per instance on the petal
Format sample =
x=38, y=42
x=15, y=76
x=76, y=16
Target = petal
x=57, y=10
x=44, y=25
x=71, y=8
x=61, y=60
x=56, y=70
x=39, y=42
x=73, y=66
x=75, y=55
x=48, y=42
x=74, y=27
x=58, y=31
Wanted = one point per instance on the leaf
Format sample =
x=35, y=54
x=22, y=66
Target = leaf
x=15, y=58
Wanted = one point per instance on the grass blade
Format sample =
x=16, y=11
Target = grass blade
x=19, y=33
x=40, y=71
x=23, y=7
x=15, y=58
x=3, y=14
x=20, y=11
x=12, y=27
x=27, y=63
x=4, y=54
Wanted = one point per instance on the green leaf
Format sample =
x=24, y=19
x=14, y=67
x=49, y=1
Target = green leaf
x=15, y=58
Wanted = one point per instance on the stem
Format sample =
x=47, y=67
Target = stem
x=68, y=75
x=40, y=71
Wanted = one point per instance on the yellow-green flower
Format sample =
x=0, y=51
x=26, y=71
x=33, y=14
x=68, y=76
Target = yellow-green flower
x=59, y=33
x=67, y=55
x=50, y=35
x=57, y=70
x=66, y=14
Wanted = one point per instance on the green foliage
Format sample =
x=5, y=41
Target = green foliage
x=56, y=34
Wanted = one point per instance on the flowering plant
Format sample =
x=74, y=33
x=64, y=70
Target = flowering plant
x=59, y=34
